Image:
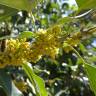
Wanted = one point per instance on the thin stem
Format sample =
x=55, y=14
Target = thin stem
x=32, y=20
x=83, y=61
x=32, y=17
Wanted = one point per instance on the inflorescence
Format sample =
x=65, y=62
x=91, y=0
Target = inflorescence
x=47, y=43
x=18, y=51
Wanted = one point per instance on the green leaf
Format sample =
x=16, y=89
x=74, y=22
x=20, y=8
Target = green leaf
x=84, y=4
x=26, y=34
x=37, y=82
x=5, y=82
x=5, y=37
x=55, y=5
x=20, y=4
x=6, y=12
x=64, y=20
x=7, y=85
x=82, y=48
x=91, y=73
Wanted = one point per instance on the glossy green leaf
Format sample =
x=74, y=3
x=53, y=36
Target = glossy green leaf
x=20, y=4
x=37, y=82
x=86, y=4
x=91, y=73
x=6, y=12
x=5, y=82
x=26, y=34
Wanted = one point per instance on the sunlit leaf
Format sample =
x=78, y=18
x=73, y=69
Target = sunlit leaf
x=36, y=81
x=20, y=4
x=84, y=4
x=26, y=34
x=91, y=73
x=6, y=12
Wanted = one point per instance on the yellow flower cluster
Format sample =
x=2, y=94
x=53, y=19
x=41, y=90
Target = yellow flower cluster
x=15, y=53
x=73, y=41
x=75, y=38
x=46, y=43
